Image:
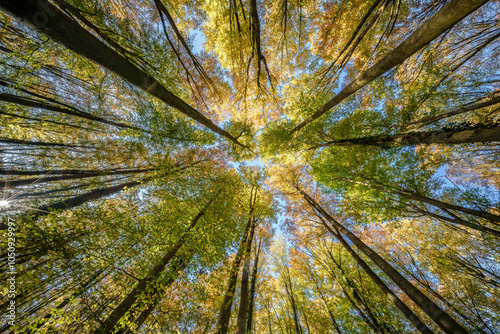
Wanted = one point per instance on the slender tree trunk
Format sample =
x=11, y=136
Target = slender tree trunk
x=412, y=317
x=291, y=298
x=442, y=205
x=51, y=21
x=253, y=285
x=37, y=143
x=227, y=300
x=68, y=176
x=307, y=322
x=243, y=310
x=478, y=133
x=323, y=299
x=462, y=222
x=451, y=13
x=109, y=325
x=139, y=321
x=81, y=199
x=442, y=319
x=364, y=309
x=432, y=119
x=20, y=100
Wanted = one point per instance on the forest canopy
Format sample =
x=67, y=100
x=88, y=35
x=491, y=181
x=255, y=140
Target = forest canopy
x=250, y=166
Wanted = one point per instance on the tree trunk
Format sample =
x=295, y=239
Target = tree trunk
x=323, y=299
x=37, y=143
x=81, y=199
x=363, y=308
x=68, y=176
x=442, y=319
x=20, y=100
x=109, y=325
x=444, y=19
x=432, y=119
x=51, y=21
x=442, y=205
x=68, y=299
x=291, y=298
x=478, y=133
x=457, y=220
x=252, y=291
x=243, y=310
x=227, y=300
x=139, y=321
x=412, y=317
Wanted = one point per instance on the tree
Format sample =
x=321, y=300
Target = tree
x=330, y=166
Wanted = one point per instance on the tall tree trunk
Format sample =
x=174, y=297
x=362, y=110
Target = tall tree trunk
x=434, y=202
x=457, y=220
x=81, y=199
x=24, y=101
x=253, y=285
x=175, y=271
x=478, y=133
x=363, y=307
x=109, y=325
x=68, y=176
x=444, y=19
x=287, y=280
x=442, y=319
x=432, y=119
x=323, y=299
x=412, y=317
x=227, y=300
x=51, y=21
x=243, y=310
x=38, y=143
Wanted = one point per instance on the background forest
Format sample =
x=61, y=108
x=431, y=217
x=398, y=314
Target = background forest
x=250, y=166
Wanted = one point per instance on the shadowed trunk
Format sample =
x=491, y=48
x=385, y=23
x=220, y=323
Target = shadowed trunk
x=252, y=290
x=478, y=133
x=82, y=199
x=227, y=300
x=174, y=274
x=442, y=205
x=441, y=318
x=51, y=21
x=69, y=176
x=412, y=317
x=64, y=110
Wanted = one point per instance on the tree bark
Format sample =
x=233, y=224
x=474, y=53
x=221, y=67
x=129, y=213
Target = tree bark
x=20, y=100
x=51, y=21
x=412, y=317
x=441, y=318
x=82, y=199
x=139, y=321
x=68, y=176
x=442, y=205
x=444, y=19
x=471, y=134
x=243, y=310
x=227, y=300
x=109, y=325
x=459, y=221
x=68, y=299
x=253, y=285
x=432, y=119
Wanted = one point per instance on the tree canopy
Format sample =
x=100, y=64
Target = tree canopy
x=250, y=166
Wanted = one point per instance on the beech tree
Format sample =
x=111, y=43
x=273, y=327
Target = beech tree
x=248, y=166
